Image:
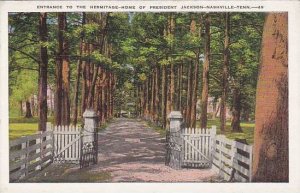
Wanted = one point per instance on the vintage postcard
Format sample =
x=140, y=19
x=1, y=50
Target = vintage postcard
x=149, y=96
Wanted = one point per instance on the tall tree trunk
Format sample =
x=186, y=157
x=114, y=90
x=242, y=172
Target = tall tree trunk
x=97, y=95
x=204, y=96
x=85, y=70
x=271, y=153
x=101, y=94
x=139, y=101
x=43, y=67
x=28, y=113
x=113, y=94
x=171, y=90
x=179, y=87
x=153, y=94
x=236, y=110
x=164, y=86
x=21, y=108
x=142, y=102
x=216, y=109
x=189, y=96
x=65, y=74
x=194, y=93
x=151, y=102
x=105, y=99
x=193, y=30
x=62, y=74
x=107, y=95
x=32, y=105
x=225, y=73
x=103, y=49
x=78, y=75
x=171, y=86
x=147, y=98
x=93, y=74
x=156, y=95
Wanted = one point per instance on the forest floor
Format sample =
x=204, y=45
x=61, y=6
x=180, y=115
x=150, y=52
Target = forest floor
x=129, y=151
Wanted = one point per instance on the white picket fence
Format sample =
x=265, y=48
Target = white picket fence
x=197, y=147
x=232, y=157
x=30, y=154
x=67, y=143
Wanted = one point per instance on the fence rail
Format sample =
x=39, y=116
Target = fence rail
x=30, y=154
x=233, y=159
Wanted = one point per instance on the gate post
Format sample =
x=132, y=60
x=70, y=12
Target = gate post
x=90, y=124
x=89, y=148
x=175, y=140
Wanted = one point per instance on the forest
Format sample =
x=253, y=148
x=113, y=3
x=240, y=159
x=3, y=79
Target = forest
x=206, y=65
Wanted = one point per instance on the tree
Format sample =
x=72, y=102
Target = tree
x=271, y=163
x=244, y=60
x=170, y=72
x=62, y=74
x=225, y=72
x=24, y=88
x=78, y=75
x=43, y=65
x=204, y=98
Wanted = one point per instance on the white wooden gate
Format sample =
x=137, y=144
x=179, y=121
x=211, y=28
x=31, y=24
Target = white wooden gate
x=67, y=143
x=198, y=147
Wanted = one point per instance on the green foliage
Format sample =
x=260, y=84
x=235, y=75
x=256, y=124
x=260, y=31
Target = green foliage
x=142, y=76
x=139, y=44
x=98, y=58
x=24, y=86
x=245, y=42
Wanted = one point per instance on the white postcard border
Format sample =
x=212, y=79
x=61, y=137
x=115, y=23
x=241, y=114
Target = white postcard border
x=293, y=8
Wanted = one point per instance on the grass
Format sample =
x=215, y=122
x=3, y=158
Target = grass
x=17, y=130
x=20, y=126
x=247, y=127
x=28, y=120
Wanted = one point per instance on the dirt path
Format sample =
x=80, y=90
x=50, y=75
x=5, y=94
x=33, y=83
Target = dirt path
x=129, y=151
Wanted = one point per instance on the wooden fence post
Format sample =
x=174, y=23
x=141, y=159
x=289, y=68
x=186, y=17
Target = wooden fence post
x=39, y=150
x=24, y=157
x=250, y=163
x=233, y=160
x=213, y=133
x=221, y=141
x=50, y=137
